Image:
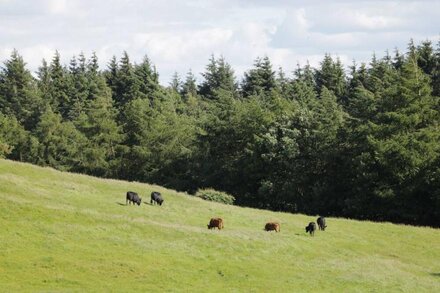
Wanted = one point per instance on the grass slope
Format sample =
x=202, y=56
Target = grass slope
x=69, y=232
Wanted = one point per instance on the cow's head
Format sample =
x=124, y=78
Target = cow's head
x=139, y=201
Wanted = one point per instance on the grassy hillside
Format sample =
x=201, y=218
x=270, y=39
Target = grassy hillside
x=69, y=232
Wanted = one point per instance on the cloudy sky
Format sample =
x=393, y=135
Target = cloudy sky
x=180, y=35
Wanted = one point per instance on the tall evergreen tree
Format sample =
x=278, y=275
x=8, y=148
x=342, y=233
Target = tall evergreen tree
x=176, y=83
x=147, y=79
x=189, y=87
x=217, y=76
x=259, y=80
x=127, y=84
x=14, y=140
x=111, y=77
x=58, y=94
x=18, y=92
x=331, y=75
x=78, y=88
x=60, y=143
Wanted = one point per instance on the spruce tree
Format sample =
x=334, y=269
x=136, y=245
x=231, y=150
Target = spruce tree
x=60, y=143
x=217, y=76
x=147, y=79
x=127, y=84
x=18, y=92
x=176, y=83
x=58, y=94
x=189, y=87
x=259, y=80
x=331, y=75
x=78, y=88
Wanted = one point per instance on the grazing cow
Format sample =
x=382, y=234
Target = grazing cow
x=271, y=226
x=156, y=197
x=321, y=223
x=216, y=223
x=311, y=228
x=133, y=197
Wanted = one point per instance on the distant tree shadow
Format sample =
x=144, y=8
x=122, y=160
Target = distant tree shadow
x=435, y=274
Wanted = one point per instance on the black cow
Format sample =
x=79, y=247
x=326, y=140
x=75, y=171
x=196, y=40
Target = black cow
x=133, y=197
x=311, y=228
x=156, y=197
x=321, y=223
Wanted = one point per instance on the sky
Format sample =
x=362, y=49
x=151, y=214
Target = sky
x=179, y=35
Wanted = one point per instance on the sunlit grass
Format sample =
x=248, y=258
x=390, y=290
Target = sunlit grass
x=70, y=232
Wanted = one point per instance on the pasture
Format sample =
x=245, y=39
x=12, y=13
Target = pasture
x=69, y=232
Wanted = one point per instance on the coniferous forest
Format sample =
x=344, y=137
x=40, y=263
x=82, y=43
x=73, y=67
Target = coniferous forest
x=360, y=143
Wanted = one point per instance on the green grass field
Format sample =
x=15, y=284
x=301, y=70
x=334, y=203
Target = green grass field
x=70, y=232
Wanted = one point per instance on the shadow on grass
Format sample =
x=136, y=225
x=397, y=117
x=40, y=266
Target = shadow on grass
x=435, y=274
x=121, y=204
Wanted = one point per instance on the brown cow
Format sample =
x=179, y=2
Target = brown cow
x=216, y=223
x=272, y=226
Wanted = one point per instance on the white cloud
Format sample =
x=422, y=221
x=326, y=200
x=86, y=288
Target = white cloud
x=174, y=47
x=57, y=6
x=375, y=22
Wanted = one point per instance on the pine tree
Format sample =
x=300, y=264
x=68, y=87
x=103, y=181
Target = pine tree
x=282, y=81
x=111, y=77
x=14, y=139
x=426, y=60
x=18, y=92
x=127, y=84
x=176, y=83
x=398, y=60
x=60, y=143
x=259, y=80
x=78, y=88
x=58, y=93
x=43, y=82
x=189, y=87
x=218, y=76
x=225, y=76
x=331, y=75
x=98, y=124
x=147, y=79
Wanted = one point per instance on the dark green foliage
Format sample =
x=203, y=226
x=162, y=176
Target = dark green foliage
x=13, y=138
x=215, y=195
x=218, y=76
x=126, y=85
x=60, y=143
x=57, y=96
x=189, y=88
x=176, y=83
x=18, y=92
x=259, y=80
x=331, y=75
x=364, y=145
x=148, y=79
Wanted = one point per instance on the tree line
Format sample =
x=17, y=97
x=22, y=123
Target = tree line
x=362, y=144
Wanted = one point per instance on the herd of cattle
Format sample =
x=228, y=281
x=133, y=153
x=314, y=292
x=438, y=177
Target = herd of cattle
x=156, y=198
